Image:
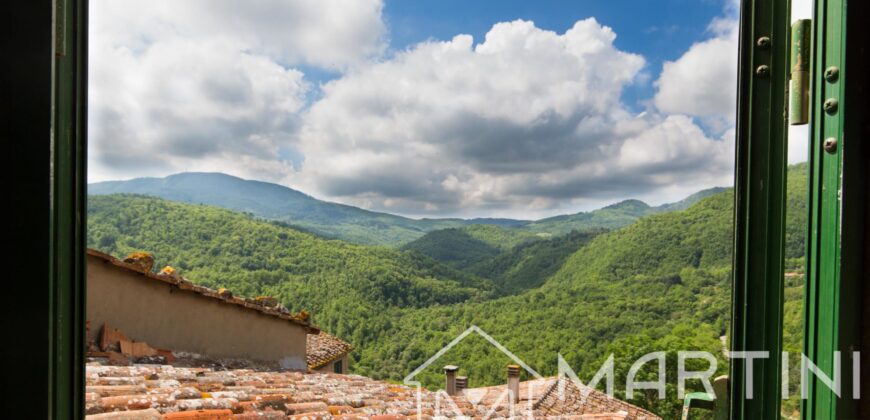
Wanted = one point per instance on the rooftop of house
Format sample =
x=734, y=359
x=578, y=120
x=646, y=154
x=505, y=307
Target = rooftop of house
x=236, y=391
x=170, y=392
x=560, y=397
x=323, y=349
x=138, y=263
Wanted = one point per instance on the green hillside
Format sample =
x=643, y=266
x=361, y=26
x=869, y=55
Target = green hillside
x=662, y=283
x=688, y=201
x=469, y=245
x=484, y=248
x=529, y=264
x=514, y=259
x=610, y=217
x=335, y=280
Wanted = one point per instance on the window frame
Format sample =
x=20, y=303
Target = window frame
x=837, y=206
x=67, y=228
x=759, y=208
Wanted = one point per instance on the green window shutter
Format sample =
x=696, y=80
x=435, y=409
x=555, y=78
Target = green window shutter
x=760, y=206
x=66, y=305
x=837, y=206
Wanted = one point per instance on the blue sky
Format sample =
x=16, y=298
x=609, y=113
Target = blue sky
x=388, y=105
x=659, y=30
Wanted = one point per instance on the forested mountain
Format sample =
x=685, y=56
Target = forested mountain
x=660, y=283
x=276, y=202
x=528, y=264
x=469, y=245
x=613, y=216
x=220, y=248
x=514, y=259
x=610, y=217
x=520, y=257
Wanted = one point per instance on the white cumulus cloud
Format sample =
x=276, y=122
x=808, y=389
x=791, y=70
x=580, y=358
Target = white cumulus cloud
x=703, y=81
x=526, y=121
x=212, y=85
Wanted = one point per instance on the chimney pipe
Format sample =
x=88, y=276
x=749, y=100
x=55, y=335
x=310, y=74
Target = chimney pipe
x=450, y=375
x=461, y=384
x=513, y=383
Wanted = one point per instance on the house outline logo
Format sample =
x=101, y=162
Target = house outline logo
x=442, y=395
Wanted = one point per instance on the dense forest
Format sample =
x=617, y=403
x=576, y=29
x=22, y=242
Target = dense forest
x=659, y=281
x=220, y=248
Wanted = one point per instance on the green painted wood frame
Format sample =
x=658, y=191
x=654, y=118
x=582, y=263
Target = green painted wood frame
x=759, y=210
x=66, y=300
x=837, y=204
x=759, y=235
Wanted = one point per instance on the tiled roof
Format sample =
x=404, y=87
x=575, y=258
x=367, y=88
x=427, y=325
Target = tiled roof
x=560, y=398
x=566, y=398
x=167, y=392
x=322, y=349
x=183, y=284
x=530, y=392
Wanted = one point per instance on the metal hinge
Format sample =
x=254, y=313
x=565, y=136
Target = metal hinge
x=799, y=83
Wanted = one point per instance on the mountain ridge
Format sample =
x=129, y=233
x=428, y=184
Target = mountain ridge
x=341, y=221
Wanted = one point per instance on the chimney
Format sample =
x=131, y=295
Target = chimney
x=461, y=384
x=450, y=375
x=513, y=383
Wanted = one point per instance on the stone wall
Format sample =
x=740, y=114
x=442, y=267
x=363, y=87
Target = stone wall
x=165, y=316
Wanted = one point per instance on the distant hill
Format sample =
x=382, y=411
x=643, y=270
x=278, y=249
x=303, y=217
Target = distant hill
x=333, y=220
x=610, y=217
x=478, y=246
x=515, y=259
x=529, y=264
x=466, y=246
x=613, y=216
x=688, y=201
x=276, y=202
x=522, y=257
x=221, y=248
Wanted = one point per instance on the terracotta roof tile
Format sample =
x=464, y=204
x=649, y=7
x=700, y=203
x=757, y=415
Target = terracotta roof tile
x=566, y=398
x=250, y=394
x=183, y=284
x=322, y=349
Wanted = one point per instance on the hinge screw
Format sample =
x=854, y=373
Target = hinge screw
x=763, y=42
x=830, y=145
x=831, y=105
x=762, y=70
x=832, y=73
